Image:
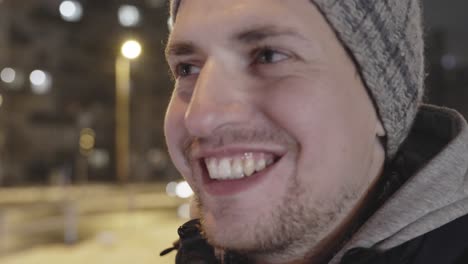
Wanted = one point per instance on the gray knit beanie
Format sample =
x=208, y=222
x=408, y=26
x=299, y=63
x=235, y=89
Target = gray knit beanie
x=385, y=39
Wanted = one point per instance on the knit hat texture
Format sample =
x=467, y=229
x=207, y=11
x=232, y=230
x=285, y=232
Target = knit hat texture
x=385, y=39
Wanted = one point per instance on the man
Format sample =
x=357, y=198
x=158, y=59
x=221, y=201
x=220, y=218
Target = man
x=287, y=119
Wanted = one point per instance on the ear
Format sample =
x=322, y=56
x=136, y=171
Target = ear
x=379, y=129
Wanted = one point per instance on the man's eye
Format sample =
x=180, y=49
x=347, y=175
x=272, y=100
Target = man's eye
x=185, y=70
x=268, y=56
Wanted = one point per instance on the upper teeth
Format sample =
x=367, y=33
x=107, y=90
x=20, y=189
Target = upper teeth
x=239, y=166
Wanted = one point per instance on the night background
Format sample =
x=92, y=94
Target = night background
x=84, y=173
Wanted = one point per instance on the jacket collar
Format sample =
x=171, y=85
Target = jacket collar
x=436, y=191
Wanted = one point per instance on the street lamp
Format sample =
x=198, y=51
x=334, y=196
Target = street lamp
x=131, y=49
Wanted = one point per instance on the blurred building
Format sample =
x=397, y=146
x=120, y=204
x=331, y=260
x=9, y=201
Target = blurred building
x=40, y=126
x=447, y=53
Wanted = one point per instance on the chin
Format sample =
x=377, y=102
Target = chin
x=241, y=223
x=257, y=240
x=229, y=232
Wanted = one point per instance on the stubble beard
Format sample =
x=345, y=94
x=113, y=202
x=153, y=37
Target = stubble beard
x=293, y=230
x=292, y=227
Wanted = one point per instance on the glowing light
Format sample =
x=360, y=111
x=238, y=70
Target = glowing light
x=183, y=190
x=449, y=61
x=13, y=78
x=157, y=158
x=8, y=75
x=38, y=77
x=170, y=24
x=41, y=81
x=129, y=15
x=87, y=142
x=99, y=158
x=87, y=139
x=71, y=11
x=131, y=49
x=1, y=100
x=171, y=189
x=184, y=211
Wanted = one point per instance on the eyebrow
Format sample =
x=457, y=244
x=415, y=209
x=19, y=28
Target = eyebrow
x=180, y=48
x=250, y=36
x=260, y=33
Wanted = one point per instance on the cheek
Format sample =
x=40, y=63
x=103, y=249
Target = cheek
x=308, y=114
x=175, y=134
x=331, y=132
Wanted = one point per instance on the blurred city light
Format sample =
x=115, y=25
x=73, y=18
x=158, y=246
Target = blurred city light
x=8, y=75
x=184, y=211
x=14, y=78
x=131, y=49
x=183, y=190
x=449, y=61
x=129, y=15
x=71, y=11
x=99, y=158
x=170, y=24
x=157, y=158
x=38, y=77
x=41, y=81
x=171, y=189
x=1, y=100
x=87, y=140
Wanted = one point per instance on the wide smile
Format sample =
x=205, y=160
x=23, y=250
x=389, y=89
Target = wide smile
x=225, y=175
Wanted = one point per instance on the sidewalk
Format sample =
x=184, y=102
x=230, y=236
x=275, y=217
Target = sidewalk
x=140, y=243
x=110, y=234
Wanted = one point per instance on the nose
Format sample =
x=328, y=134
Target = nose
x=218, y=100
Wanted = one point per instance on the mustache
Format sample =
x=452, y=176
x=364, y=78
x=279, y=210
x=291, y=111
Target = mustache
x=234, y=135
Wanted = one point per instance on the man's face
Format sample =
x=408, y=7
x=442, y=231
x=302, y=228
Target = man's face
x=270, y=124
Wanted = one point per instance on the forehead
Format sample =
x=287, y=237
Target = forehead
x=214, y=18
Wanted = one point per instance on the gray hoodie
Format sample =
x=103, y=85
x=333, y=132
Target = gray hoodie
x=434, y=196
